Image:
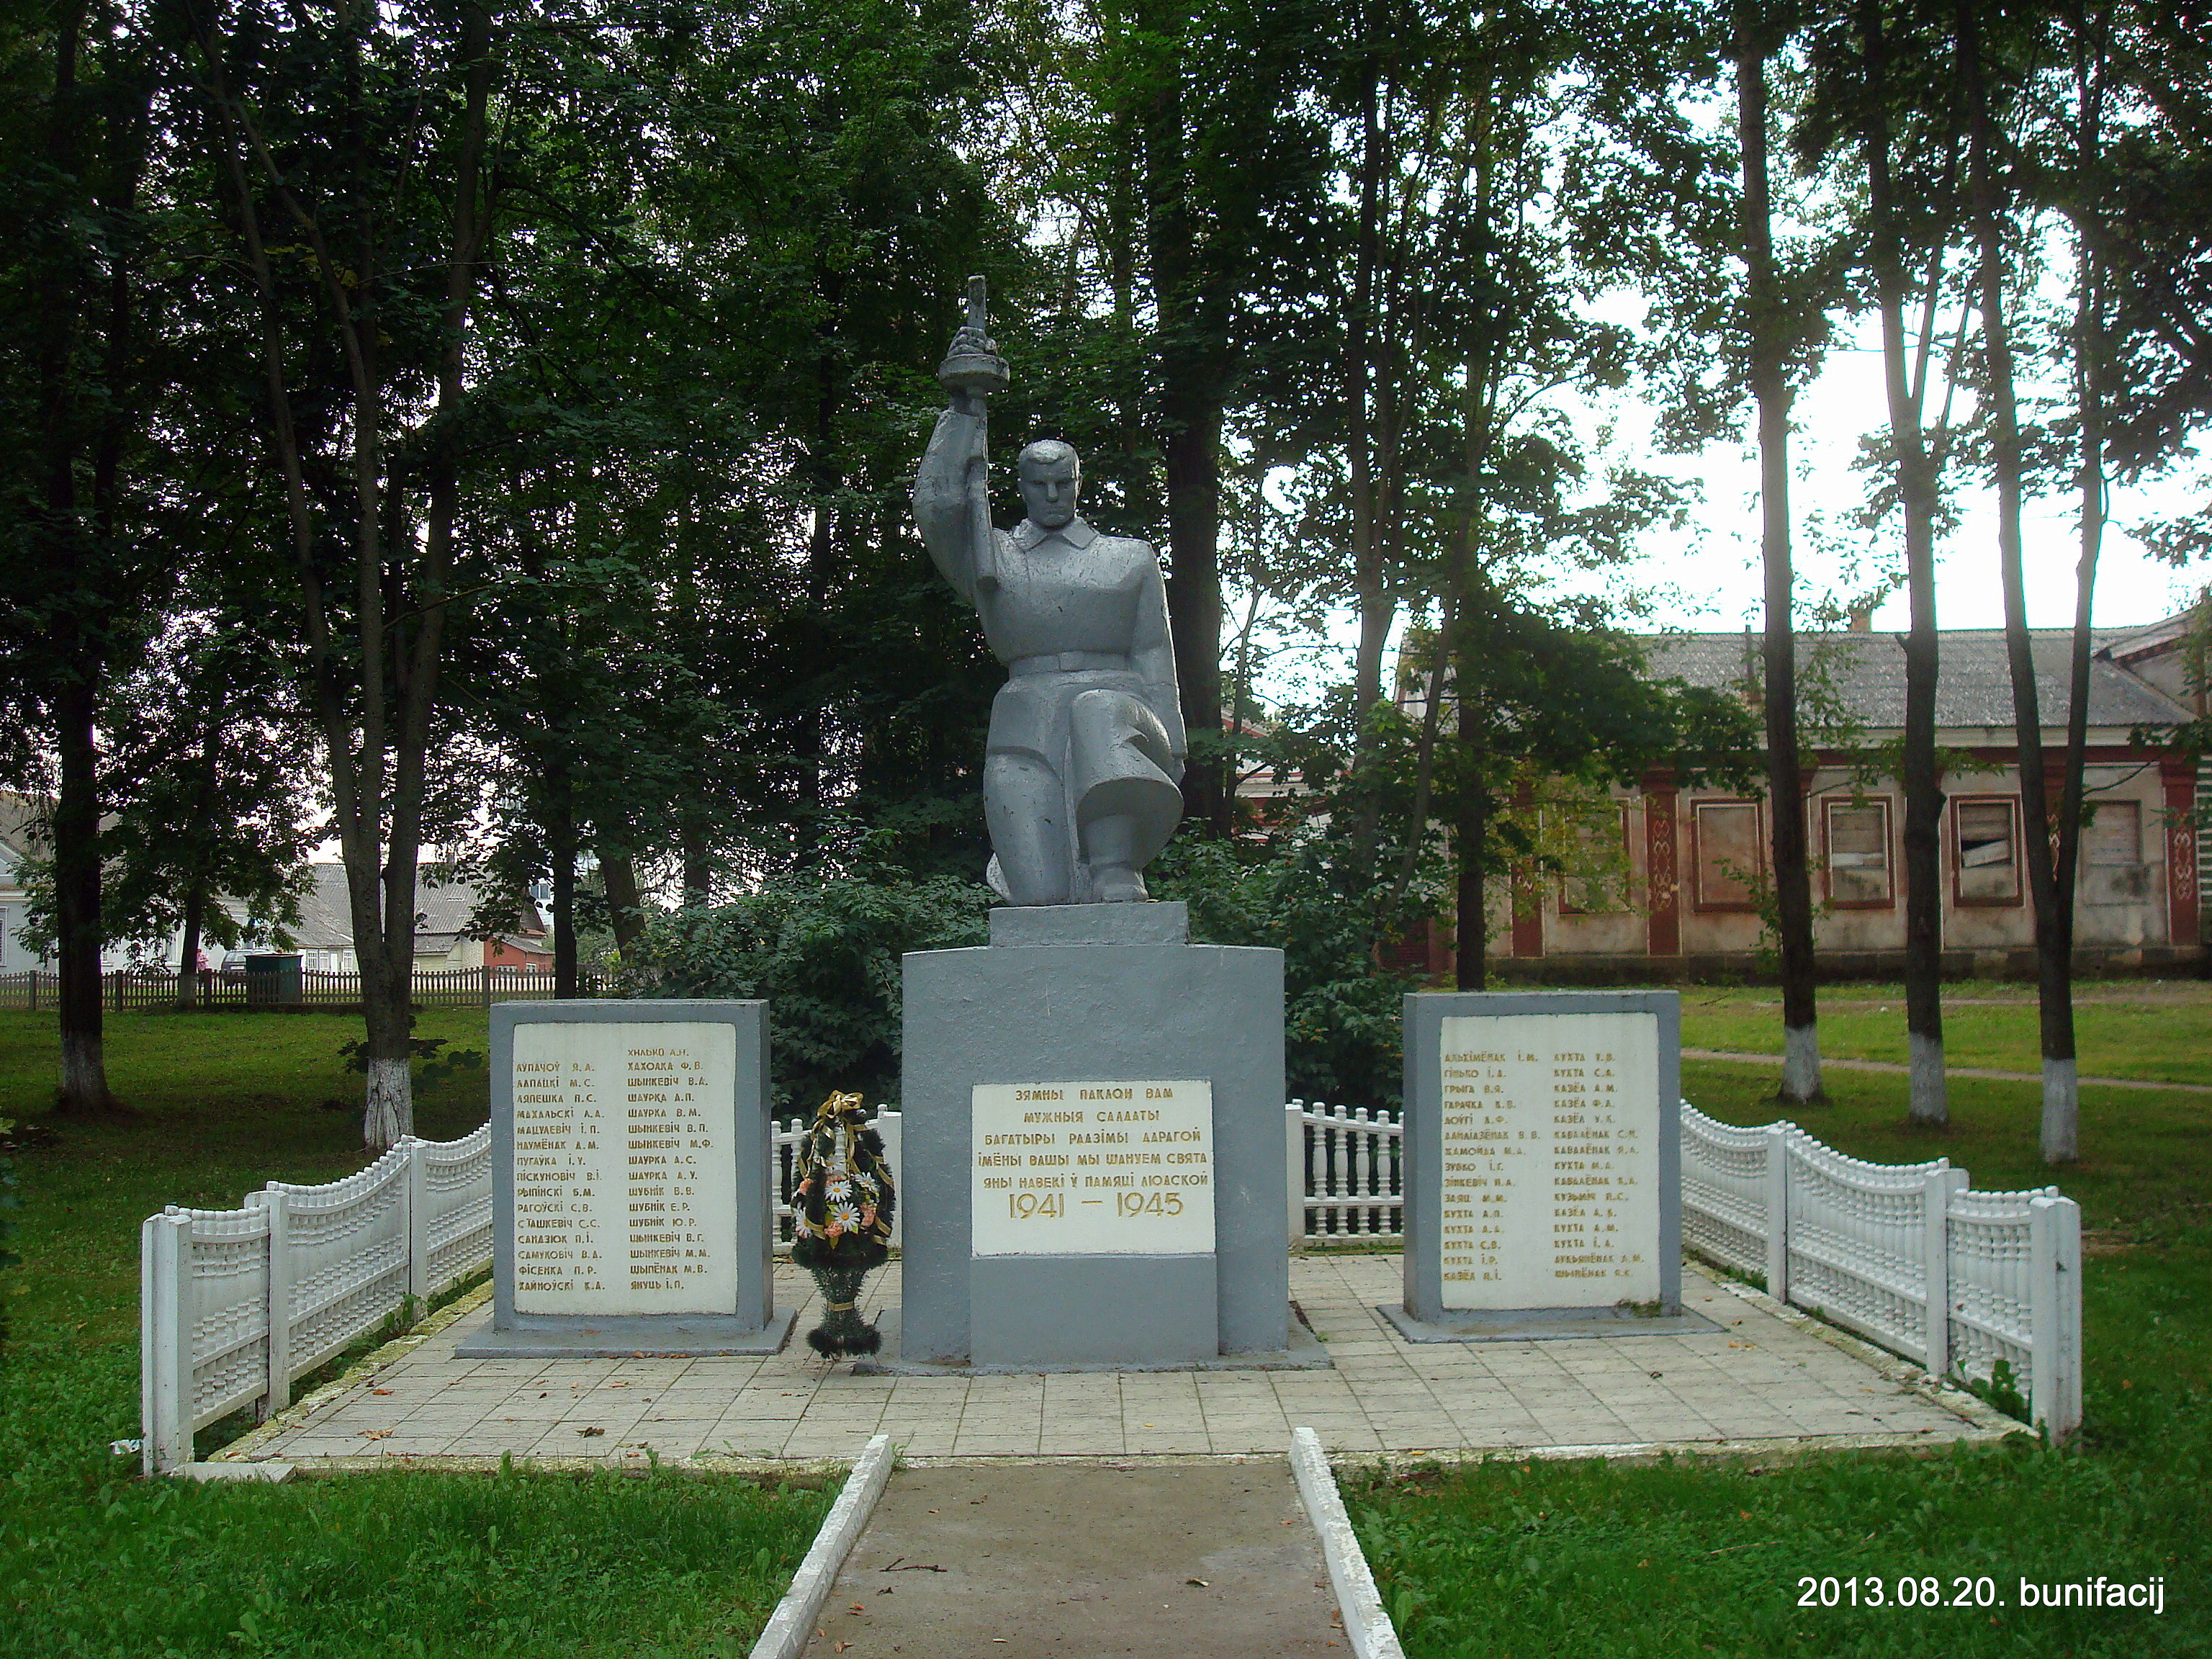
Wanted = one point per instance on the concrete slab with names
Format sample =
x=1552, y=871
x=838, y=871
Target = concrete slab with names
x=1542, y=1130
x=630, y=1167
x=1757, y=1378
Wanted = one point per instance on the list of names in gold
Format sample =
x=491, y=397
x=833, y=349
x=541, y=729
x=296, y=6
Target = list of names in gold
x=1551, y=1160
x=625, y=1183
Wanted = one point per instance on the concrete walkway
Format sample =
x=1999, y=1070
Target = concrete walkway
x=1158, y=1560
x=1764, y=1378
x=1899, y=1069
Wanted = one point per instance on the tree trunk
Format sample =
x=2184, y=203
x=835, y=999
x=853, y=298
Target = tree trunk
x=698, y=862
x=2054, y=920
x=188, y=969
x=1193, y=483
x=1785, y=784
x=1470, y=831
x=1916, y=486
x=1191, y=386
x=74, y=699
x=2061, y=1126
x=1368, y=586
x=561, y=850
x=76, y=904
x=625, y=908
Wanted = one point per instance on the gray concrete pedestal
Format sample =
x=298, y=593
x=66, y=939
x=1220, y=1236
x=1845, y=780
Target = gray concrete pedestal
x=1091, y=992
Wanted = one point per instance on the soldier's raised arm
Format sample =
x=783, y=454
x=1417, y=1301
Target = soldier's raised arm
x=943, y=493
x=951, y=500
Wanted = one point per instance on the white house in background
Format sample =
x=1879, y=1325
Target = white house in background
x=324, y=936
x=17, y=843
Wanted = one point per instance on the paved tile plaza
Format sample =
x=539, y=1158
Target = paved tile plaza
x=1764, y=1376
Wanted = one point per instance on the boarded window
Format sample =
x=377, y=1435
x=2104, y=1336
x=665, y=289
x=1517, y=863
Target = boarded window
x=1988, y=853
x=1858, y=851
x=1730, y=853
x=2114, y=836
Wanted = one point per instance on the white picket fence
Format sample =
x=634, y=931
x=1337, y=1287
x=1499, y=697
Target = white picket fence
x=1905, y=1255
x=338, y=1259
x=236, y=1306
x=786, y=1138
x=1346, y=1172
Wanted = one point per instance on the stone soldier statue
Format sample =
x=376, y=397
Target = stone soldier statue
x=1087, y=744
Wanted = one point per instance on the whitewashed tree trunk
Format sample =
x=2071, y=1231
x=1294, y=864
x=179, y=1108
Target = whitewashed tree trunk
x=1801, y=1063
x=1929, y=1098
x=388, y=1112
x=2062, y=1110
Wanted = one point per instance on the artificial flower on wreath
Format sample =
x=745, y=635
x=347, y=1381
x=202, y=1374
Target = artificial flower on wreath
x=841, y=1210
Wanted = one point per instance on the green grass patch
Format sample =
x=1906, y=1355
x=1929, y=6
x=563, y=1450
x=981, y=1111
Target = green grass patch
x=1513, y=1560
x=2145, y=1155
x=94, y=1562
x=2155, y=1033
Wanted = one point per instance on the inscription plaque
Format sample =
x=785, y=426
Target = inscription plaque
x=1100, y=1167
x=1551, y=1173
x=624, y=1177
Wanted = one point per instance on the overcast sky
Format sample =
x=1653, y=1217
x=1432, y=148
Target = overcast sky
x=1716, y=566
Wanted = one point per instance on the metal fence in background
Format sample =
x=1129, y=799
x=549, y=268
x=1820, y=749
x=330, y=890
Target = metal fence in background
x=131, y=990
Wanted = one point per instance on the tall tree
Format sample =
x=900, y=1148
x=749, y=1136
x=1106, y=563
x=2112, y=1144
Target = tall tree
x=1771, y=335
x=1887, y=95
x=353, y=155
x=1229, y=163
x=86, y=582
x=2050, y=841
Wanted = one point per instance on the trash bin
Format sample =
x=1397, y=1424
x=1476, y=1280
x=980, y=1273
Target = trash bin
x=272, y=980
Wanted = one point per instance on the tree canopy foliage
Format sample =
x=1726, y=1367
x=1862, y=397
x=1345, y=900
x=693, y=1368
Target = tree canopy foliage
x=484, y=426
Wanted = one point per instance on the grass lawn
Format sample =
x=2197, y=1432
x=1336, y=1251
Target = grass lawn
x=2159, y=1032
x=1512, y=1560
x=95, y=1562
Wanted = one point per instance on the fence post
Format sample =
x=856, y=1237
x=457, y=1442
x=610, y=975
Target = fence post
x=1777, y=1211
x=1294, y=1166
x=891, y=1126
x=279, y=1205
x=165, y=1350
x=415, y=1194
x=1935, y=1189
x=2054, y=1254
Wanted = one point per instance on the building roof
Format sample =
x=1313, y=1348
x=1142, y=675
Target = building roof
x=327, y=913
x=19, y=825
x=1864, y=675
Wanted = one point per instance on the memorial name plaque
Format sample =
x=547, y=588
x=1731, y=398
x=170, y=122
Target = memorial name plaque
x=625, y=1180
x=1109, y=1167
x=1550, y=1161
x=1543, y=1166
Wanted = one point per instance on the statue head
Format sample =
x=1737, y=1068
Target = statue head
x=1051, y=477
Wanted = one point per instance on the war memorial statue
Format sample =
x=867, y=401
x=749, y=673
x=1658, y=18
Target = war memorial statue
x=1087, y=743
